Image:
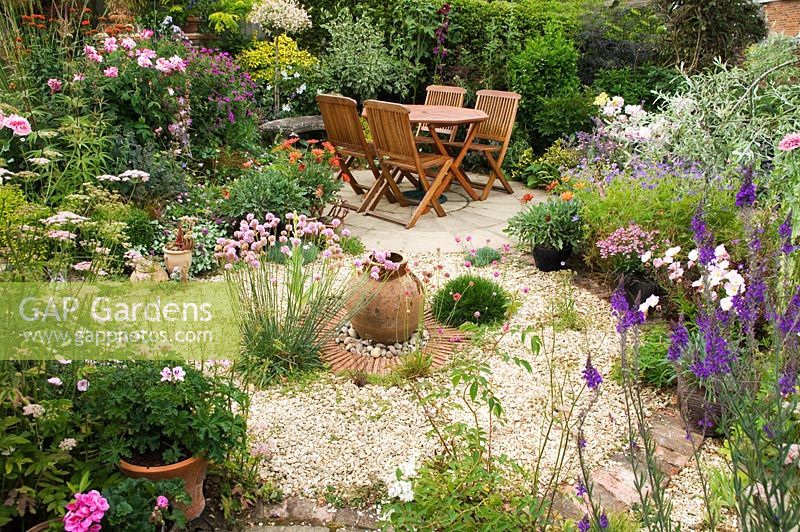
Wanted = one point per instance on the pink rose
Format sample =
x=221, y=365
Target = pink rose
x=91, y=54
x=111, y=72
x=162, y=502
x=128, y=43
x=144, y=62
x=19, y=125
x=790, y=142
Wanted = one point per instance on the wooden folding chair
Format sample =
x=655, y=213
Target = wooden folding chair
x=444, y=95
x=394, y=142
x=502, y=108
x=343, y=126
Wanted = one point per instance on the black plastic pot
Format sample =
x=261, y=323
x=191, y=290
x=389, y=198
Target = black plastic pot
x=638, y=288
x=551, y=260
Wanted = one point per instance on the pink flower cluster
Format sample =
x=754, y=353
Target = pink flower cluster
x=18, y=124
x=63, y=217
x=85, y=513
x=173, y=64
x=55, y=85
x=126, y=176
x=253, y=237
x=176, y=374
x=790, y=142
x=630, y=241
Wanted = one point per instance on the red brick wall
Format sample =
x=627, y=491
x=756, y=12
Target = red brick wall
x=783, y=16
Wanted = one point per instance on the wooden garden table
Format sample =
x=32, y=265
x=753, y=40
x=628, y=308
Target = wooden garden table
x=441, y=116
x=445, y=116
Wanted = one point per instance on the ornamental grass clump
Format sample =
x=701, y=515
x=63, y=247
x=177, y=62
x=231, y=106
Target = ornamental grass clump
x=471, y=299
x=483, y=256
x=287, y=312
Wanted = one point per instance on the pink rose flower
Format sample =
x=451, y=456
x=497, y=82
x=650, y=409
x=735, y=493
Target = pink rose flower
x=19, y=125
x=790, y=142
x=162, y=502
x=144, y=62
x=82, y=385
x=111, y=72
x=91, y=54
x=128, y=43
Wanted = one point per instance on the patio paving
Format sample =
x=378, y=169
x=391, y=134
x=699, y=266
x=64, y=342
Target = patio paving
x=480, y=219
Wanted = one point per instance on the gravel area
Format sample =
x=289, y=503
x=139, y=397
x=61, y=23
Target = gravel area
x=331, y=434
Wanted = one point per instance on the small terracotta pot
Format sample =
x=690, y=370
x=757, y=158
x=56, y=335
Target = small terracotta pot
x=192, y=471
x=192, y=24
x=178, y=259
x=394, y=308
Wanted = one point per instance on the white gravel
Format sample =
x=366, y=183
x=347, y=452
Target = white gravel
x=330, y=433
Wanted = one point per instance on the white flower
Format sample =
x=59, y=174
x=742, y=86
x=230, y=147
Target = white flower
x=302, y=88
x=671, y=252
x=693, y=255
x=286, y=108
x=402, y=490
x=39, y=161
x=793, y=455
x=285, y=16
x=726, y=303
x=408, y=469
x=55, y=381
x=646, y=256
x=649, y=303
x=33, y=410
x=67, y=444
x=721, y=253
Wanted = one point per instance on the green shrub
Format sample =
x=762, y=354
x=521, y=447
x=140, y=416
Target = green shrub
x=564, y=114
x=470, y=298
x=638, y=85
x=483, y=256
x=541, y=171
x=265, y=191
x=352, y=245
x=546, y=67
x=375, y=70
x=140, y=229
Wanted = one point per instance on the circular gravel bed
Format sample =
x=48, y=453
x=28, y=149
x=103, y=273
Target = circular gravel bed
x=331, y=434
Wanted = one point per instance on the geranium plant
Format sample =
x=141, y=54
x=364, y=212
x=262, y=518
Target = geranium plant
x=161, y=414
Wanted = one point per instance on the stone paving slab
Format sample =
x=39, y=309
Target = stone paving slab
x=480, y=219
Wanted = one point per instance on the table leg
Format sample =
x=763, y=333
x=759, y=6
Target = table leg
x=455, y=168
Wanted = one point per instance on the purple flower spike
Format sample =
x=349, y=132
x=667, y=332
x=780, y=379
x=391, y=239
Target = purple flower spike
x=584, y=525
x=678, y=341
x=591, y=375
x=626, y=317
x=746, y=196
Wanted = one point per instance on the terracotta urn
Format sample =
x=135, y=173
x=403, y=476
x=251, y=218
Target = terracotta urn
x=192, y=24
x=393, y=306
x=178, y=259
x=192, y=471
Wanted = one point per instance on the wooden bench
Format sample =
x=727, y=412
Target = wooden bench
x=293, y=125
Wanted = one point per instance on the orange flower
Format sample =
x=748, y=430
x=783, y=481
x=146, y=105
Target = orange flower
x=318, y=153
x=295, y=156
x=565, y=179
x=312, y=141
x=301, y=167
x=319, y=192
x=84, y=22
x=226, y=194
x=551, y=186
x=345, y=177
x=526, y=198
x=248, y=163
x=568, y=195
x=329, y=147
x=335, y=162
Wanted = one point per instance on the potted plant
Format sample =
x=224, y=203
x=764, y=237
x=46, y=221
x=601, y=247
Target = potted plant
x=551, y=229
x=129, y=505
x=178, y=252
x=623, y=251
x=164, y=422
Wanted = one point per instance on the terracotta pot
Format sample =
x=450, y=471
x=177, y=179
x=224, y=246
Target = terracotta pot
x=394, y=308
x=43, y=526
x=551, y=260
x=702, y=416
x=192, y=471
x=149, y=272
x=178, y=259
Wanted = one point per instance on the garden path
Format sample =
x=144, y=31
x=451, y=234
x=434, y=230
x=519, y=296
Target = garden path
x=481, y=219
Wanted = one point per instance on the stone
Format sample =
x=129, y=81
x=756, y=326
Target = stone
x=376, y=352
x=352, y=333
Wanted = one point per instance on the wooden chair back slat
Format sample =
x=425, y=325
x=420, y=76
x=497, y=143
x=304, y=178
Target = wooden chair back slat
x=342, y=122
x=444, y=95
x=502, y=108
x=391, y=131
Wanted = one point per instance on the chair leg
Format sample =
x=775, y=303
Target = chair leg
x=495, y=173
x=431, y=196
x=350, y=179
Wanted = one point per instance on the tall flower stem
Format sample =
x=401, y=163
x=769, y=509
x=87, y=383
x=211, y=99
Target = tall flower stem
x=276, y=93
